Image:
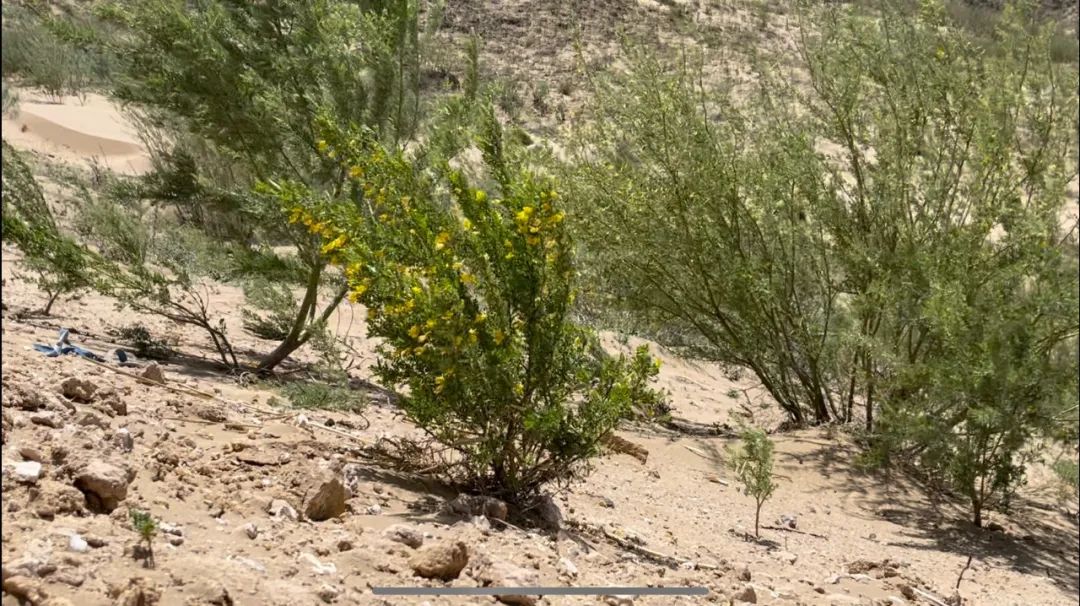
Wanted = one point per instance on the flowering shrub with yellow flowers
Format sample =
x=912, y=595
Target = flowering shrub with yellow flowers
x=468, y=290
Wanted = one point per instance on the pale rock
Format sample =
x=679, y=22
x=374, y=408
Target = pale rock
x=124, y=440
x=153, y=372
x=326, y=497
x=251, y=530
x=78, y=389
x=281, y=509
x=316, y=566
x=104, y=485
x=505, y=574
x=27, y=472
x=78, y=544
x=443, y=560
x=567, y=568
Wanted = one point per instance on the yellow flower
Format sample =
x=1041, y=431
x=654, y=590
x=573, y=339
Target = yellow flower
x=440, y=383
x=519, y=389
x=481, y=196
x=466, y=223
x=509, y=256
x=356, y=172
x=499, y=337
x=441, y=240
x=480, y=317
x=295, y=214
x=409, y=305
x=430, y=324
x=322, y=145
x=525, y=214
x=414, y=331
x=334, y=244
x=558, y=217
x=472, y=336
x=416, y=290
x=468, y=279
x=357, y=292
x=457, y=265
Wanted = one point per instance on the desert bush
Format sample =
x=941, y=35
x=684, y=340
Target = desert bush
x=946, y=228
x=1068, y=474
x=315, y=395
x=33, y=53
x=278, y=307
x=202, y=73
x=149, y=264
x=54, y=262
x=752, y=463
x=468, y=289
x=143, y=343
x=702, y=236
x=59, y=271
x=889, y=236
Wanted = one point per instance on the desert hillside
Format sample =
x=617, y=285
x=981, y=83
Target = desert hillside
x=251, y=494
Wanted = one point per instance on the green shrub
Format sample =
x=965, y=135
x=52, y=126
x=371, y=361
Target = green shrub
x=143, y=343
x=752, y=464
x=313, y=395
x=468, y=292
x=269, y=309
x=146, y=526
x=33, y=53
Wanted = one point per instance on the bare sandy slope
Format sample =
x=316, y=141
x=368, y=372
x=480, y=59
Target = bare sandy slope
x=78, y=132
x=210, y=469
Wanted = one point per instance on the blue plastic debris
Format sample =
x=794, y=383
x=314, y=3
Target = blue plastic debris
x=64, y=347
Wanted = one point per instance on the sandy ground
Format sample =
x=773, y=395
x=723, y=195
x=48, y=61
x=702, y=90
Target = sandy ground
x=210, y=469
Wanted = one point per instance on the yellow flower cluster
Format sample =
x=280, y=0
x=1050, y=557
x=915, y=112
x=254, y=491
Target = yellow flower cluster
x=530, y=223
x=335, y=244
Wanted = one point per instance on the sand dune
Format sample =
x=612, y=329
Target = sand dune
x=77, y=132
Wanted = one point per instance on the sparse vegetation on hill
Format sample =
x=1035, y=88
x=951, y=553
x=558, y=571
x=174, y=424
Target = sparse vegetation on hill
x=386, y=252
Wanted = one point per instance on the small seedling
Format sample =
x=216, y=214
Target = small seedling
x=147, y=527
x=752, y=464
